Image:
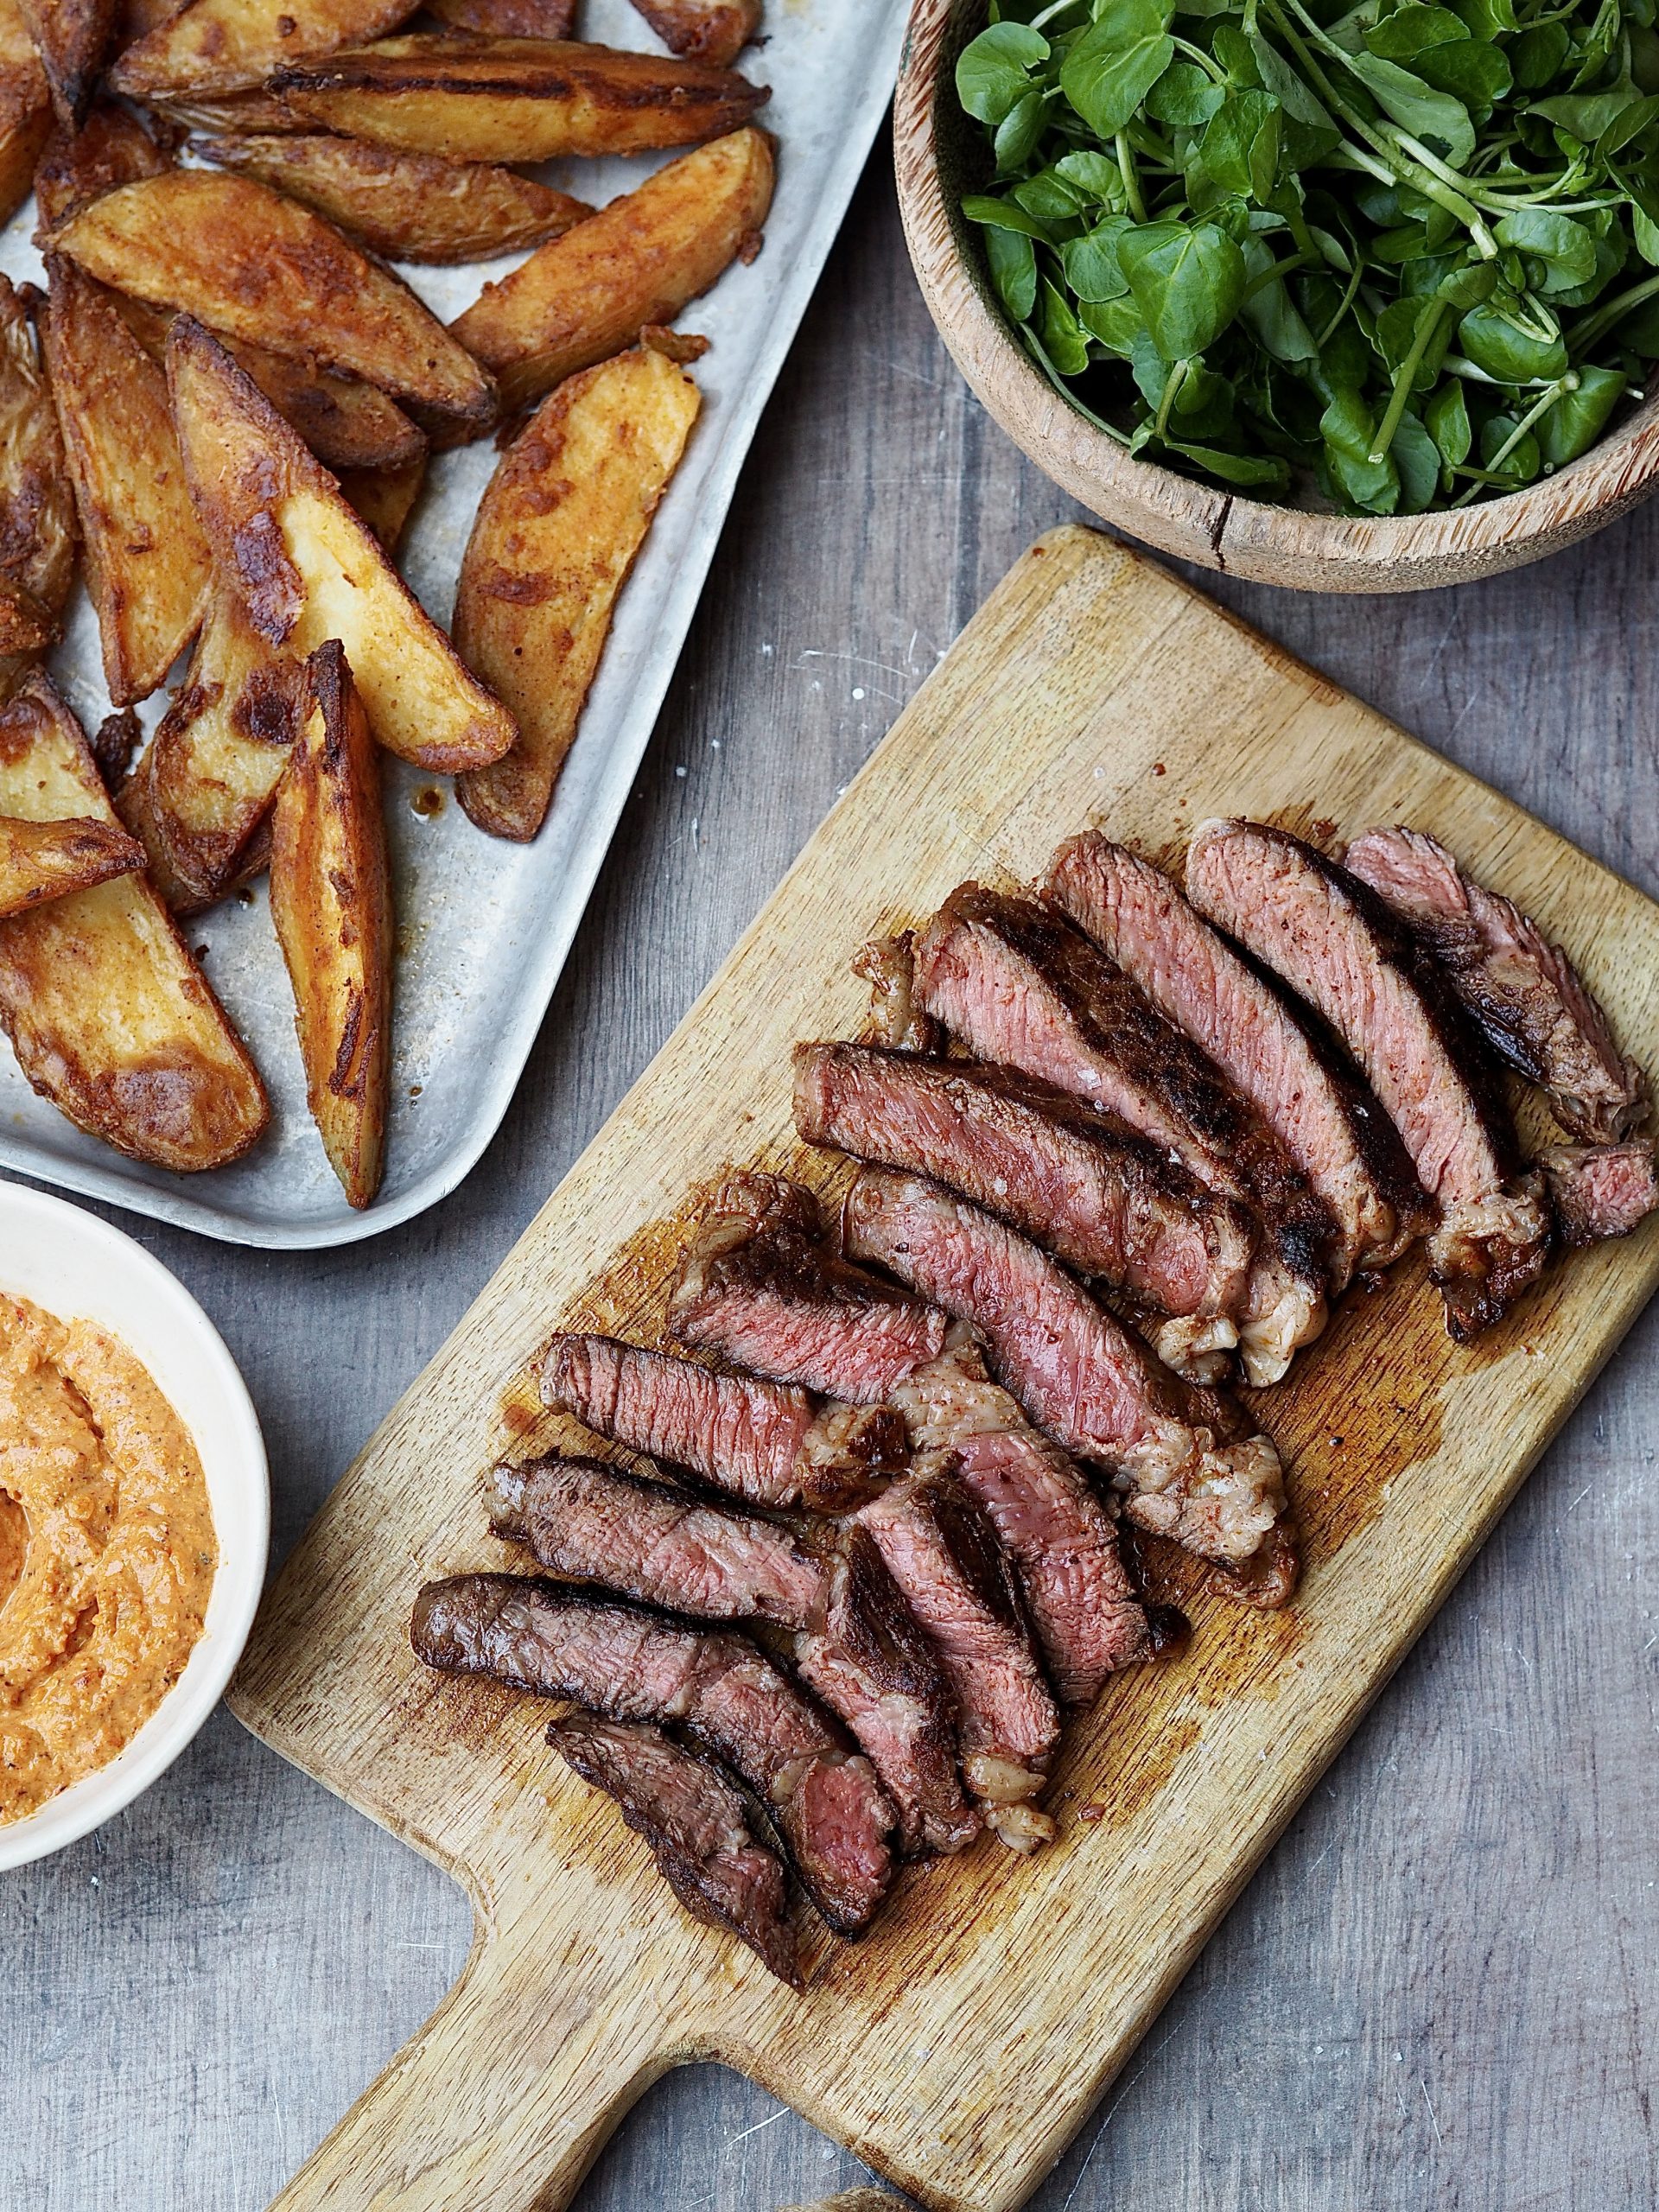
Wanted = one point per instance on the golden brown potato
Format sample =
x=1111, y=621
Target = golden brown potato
x=40, y=860
x=205, y=784
x=136, y=19
x=249, y=261
x=308, y=568
x=37, y=507
x=516, y=99
x=257, y=110
x=111, y=148
x=25, y=109
x=331, y=901
x=507, y=18
x=25, y=625
x=110, y=1017
x=386, y=498
x=557, y=532
x=407, y=206
x=147, y=565
x=222, y=46
x=583, y=297
x=71, y=37
x=708, y=31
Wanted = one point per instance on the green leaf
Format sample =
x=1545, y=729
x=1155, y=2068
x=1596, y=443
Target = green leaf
x=1004, y=215
x=1537, y=55
x=994, y=70
x=1631, y=122
x=1117, y=61
x=1184, y=96
x=1049, y=197
x=1276, y=76
x=1447, y=420
x=1116, y=323
x=1090, y=262
x=1249, y=472
x=1646, y=232
x=1018, y=132
x=1240, y=145
x=1578, y=418
x=1272, y=313
x=1347, y=430
x=1477, y=75
x=1064, y=339
x=1495, y=343
x=1012, y=260
x=1096, y=174
x=1187, y=280
x=1410, y=29
x=1485, y=19
x=1564, y=251
x=1415, y=455
x=1434, y=117
x=1585, y=116
x=1523, y=459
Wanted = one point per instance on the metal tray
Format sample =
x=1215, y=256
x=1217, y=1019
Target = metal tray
x=484, y=926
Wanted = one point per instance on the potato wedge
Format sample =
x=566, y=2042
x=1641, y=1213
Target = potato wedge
x=111, y=148
x=136, y=19
x=309, y=570
x=386, y=498
x=707, y=30
x=25, y=109
x=39, y=861
x=25, y=625
x=516, y=99
x=557, y=530
x=147, y=563
x=405, y=206
x=257, y=110
x=71, y=37
x=109, y=1016
x=507, y=18
x=37, y=507
x=249, y=261
x=583, y=297
x=206, y=782
x=331, y=901
x=222, y=46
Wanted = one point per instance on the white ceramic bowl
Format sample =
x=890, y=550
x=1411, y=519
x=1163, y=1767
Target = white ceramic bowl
x=73, y=1265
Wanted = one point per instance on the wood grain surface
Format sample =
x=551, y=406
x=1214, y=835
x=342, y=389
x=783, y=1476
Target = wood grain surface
x=958, y=2048
x=1438, y=1992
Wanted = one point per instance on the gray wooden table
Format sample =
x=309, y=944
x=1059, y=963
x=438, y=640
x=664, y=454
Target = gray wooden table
x=1438, y=1992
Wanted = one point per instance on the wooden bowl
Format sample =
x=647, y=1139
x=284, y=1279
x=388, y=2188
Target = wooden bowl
x=939, y=156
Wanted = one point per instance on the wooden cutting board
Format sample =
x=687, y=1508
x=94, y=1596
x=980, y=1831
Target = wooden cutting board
x=960, y=2046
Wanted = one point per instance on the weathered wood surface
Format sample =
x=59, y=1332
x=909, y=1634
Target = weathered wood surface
x=1434, y=1993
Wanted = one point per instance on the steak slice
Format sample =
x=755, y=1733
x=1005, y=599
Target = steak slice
x=698, y=1826
x=1598, y=1191
x=755, y=1287
x=944, y=1554
x=1185, y=1458
x=628, y=1663
x=1329, y=936
x=1048, y=1520
x=1336, y=1133
x=1020, y=985
x=1091, y=1190
x=1523, y=991
x=888, y=965
x=757, y=1440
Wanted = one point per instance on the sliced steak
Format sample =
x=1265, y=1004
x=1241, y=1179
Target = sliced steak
x=1020, y=986
x=1047, y=1518
x=1599, y=1190
x=943, y=1553
x=757, y=1440
x=698, y=1826
x=1526, y=995
x=629, y=1665
x=1090, y=1189
x=1185, y=1458
x=755, y=1287
x=888, y=965
x=1329, y=938
x=1336, y=1134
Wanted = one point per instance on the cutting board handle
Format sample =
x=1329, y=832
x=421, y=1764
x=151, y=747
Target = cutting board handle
x=507, y=2095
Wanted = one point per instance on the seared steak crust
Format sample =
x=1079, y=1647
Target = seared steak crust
x=1598, y=1191
x=1185, y=1458
x=1329, y=936
x=1020, y=985
x=888, y=965
x=630, y=1664
x=1336, y=1134
x=698, y=1826
x=1528, y=999
x=1092, y=1190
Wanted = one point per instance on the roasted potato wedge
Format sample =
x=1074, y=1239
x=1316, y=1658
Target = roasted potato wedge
x=406, y=207
x=308, y=568
x=386, y=498
x=25, y=625
x=109, y=1016
x=516, y=99
x=25, y=109
x=71, y=37
x=707, y=30
x=507, y=18
x=583, y=297
x=331, y=901
x=223, y=46
x=257, y=110
x=111, y=148
x=136, y=19
x=250, y=262
x=205, y=782
x=556, y=533
x=37, y=507
x=40, y=860
x=147, y=563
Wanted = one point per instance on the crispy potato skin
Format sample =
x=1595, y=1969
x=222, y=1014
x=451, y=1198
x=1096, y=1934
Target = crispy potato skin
x=147, y=563
x=507, y=18
x=406, y=207
x=37, y=507
x=40, y=860
x=256, y=110
x=110, y=1017
x=706, y=30
x=25, y=109
x=223, y=46
x=331, y=901
x=386, y=498
x=557, y=531
x=251, y=262
x=583, y=297
x=517, y=100
x=111, y=148
x=308, y=568
x=72, y=37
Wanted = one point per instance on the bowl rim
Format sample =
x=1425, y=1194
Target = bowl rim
x=233, y=1459
x=1222, y=529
